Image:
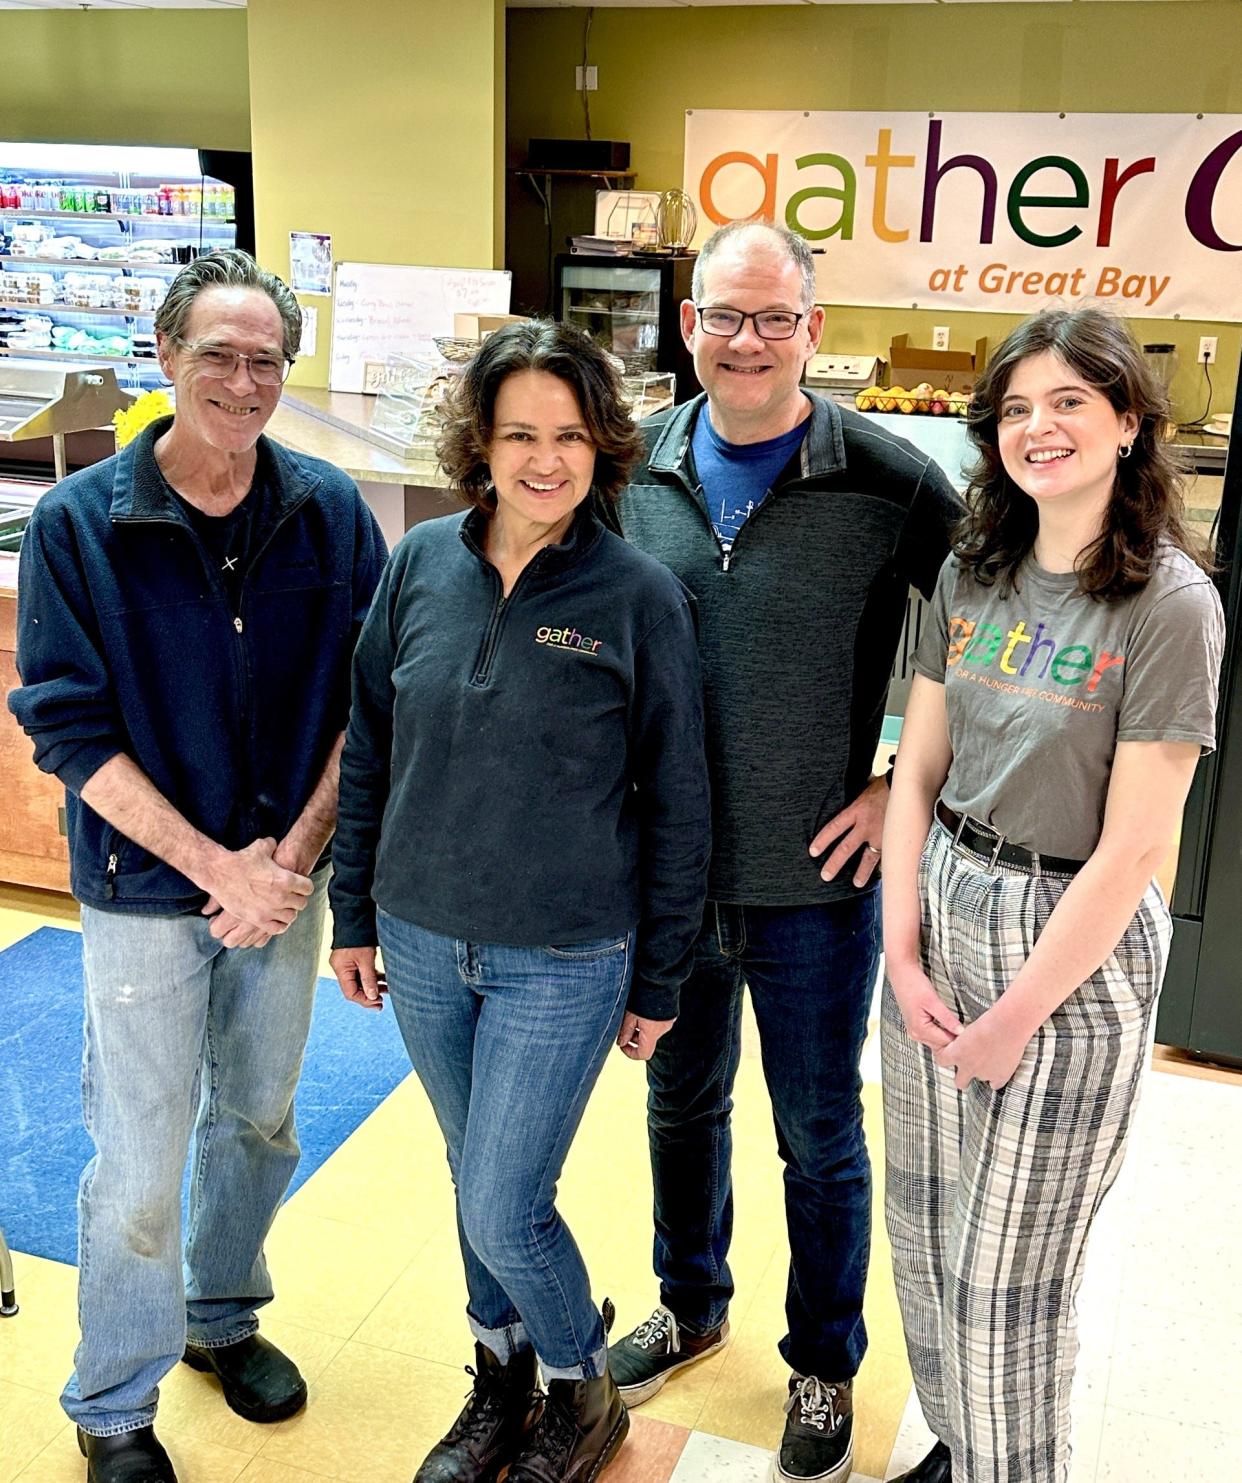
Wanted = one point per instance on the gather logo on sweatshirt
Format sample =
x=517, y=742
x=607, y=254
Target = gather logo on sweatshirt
x=567, y=638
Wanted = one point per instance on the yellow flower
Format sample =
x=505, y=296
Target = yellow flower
x=142, y=411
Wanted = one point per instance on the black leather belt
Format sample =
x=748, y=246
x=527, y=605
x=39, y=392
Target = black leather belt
x=996, y=850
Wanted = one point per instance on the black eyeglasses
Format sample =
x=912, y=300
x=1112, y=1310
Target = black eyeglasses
x=220, y=361
x=770, y=324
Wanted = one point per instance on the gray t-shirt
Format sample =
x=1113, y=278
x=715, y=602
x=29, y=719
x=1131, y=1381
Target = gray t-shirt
x=1041, y=685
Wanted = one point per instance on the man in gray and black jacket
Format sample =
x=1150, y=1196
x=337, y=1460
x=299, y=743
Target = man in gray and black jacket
x=799, y=527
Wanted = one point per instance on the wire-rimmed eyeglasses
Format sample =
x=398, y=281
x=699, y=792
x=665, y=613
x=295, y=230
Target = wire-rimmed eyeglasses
x=220, y=361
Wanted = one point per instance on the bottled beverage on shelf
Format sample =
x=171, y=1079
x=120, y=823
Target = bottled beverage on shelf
x=165, y=201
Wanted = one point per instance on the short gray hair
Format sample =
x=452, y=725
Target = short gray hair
x=228, y=267
x=794, y=245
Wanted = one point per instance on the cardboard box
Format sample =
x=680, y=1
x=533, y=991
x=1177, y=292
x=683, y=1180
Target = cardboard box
x=479, y=326
x=950, y=370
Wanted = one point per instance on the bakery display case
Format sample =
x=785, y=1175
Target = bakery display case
x=631, y=306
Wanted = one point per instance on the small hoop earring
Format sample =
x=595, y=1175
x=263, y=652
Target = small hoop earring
x=1125, y=450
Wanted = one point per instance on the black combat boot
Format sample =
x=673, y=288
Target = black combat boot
x=504, y=1403
x=581, y=1430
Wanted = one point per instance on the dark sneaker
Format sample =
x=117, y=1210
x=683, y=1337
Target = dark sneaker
x=643, y=1360
x=936, y=1467
x=819, y=1432
x=502, y=1406
x=581, y=1430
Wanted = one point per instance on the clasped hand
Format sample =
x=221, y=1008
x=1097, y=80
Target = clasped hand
x=989, y=1049
x=254, y=896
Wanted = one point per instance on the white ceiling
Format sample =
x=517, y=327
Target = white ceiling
x=122, y=4
x=512, y=4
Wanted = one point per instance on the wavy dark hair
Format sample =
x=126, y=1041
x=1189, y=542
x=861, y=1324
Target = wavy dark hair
x=566, y=352
x=1147, y=505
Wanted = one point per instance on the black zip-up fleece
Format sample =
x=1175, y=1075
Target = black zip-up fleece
x=528, y=770
x=798, y=624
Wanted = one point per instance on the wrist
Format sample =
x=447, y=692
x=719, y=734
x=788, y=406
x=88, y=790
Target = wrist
x=900, y=962
x=1017, y=1013
x=297, y=853
x=206, y=864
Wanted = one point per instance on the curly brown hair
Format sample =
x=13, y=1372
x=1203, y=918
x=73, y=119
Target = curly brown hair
x=1146, y=507
x=563, y=351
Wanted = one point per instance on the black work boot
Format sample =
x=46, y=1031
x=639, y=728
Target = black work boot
x=503, y=1405
x=259, y=1382
x=580, y=1432
x=132, y=1457
x=936, y=1467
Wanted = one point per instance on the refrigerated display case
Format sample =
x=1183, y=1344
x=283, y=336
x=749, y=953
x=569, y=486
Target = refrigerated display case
x=1200, y=1007
x=631, y=306
x=90, y=237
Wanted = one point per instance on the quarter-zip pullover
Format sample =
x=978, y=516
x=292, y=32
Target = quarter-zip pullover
x=798, y=624
x=527, y=770
x=129, y=641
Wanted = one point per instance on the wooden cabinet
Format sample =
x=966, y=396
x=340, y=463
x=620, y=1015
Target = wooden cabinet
x=33, y=851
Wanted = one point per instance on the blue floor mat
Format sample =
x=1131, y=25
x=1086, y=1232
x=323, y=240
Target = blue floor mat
x=354, y=1059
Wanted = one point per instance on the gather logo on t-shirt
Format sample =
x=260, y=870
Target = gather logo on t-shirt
x=1068, y=671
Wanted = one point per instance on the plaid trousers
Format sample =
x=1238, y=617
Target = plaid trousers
x=990, y=1195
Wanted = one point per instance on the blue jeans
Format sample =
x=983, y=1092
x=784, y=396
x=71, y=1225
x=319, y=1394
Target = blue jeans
x=509, y=1042
x=810, y=970
x=182, y=1036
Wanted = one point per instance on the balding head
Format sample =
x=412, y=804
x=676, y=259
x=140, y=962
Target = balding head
x=760, y=238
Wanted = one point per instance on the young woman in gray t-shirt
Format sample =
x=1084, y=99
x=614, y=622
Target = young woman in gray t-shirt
x=1065, y=689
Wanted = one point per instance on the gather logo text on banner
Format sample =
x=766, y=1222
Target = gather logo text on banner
x=990, y=211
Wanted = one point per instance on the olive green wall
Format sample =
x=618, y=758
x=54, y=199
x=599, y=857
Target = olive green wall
x=380, y=124
x=1184, y=56
x=168, y=77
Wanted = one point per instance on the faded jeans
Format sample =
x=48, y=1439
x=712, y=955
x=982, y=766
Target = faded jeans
x=508, y=1043
x=182, y=1036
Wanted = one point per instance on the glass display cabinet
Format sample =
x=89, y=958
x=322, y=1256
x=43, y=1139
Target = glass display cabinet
x=631, y=306
x=90, y=237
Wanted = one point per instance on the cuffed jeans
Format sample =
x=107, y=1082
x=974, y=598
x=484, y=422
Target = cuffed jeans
x=508, y=1043
x=810, y=970
x=181, y=1036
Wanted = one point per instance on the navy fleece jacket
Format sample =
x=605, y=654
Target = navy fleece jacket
x=128, y=642
x=527, y=770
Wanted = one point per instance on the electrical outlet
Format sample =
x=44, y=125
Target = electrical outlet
x=588, y=83
x=940, y=337
x=1207, y=350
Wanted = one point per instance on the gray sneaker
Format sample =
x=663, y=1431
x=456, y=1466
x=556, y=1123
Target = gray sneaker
x=642, y=1361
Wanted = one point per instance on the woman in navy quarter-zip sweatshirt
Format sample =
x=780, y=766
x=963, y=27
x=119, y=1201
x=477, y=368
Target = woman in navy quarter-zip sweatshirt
x=524, y=831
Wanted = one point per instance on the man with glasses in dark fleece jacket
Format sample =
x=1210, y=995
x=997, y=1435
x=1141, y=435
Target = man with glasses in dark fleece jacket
x=799, y=527
x=187, y=616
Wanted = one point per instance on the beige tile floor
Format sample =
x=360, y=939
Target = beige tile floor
x=370, y=1299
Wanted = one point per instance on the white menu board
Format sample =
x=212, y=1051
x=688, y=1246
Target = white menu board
x=383, y=309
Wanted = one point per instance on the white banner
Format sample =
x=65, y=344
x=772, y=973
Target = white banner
x=990, y=211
